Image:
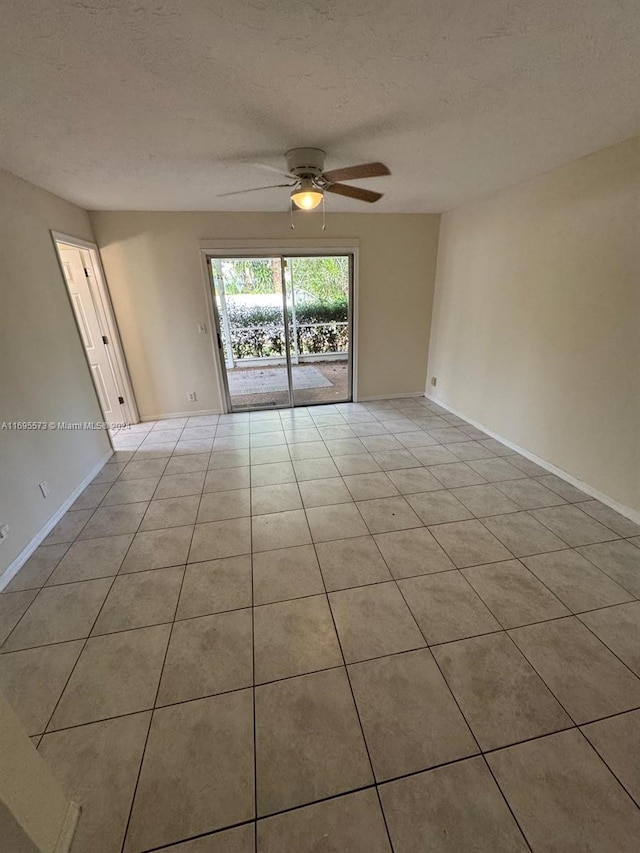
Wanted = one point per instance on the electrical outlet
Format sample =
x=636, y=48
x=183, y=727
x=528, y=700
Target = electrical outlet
x=192, y=397
x=434, y=381
x=44, y=488
x=4, y=532
x=202, y=329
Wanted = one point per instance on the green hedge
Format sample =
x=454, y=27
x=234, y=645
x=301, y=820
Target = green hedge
x=258, y=331
x=306, y=312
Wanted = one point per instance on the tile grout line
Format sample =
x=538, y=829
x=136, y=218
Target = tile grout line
x=37, y=595
x=191, y=838
x=346, y=670
x=570, y=727
x=477, y=518
x=473, y=735
x=45, y=586
x=615, y=537
x=355, y=704
x=603, y=642
x=623, y=785
x=593, y=634
x=508, y=804
x=576, y=724
x=253, y=673
x=87, y=638
x=569, y=615
x=152, y=710
x=604, y=571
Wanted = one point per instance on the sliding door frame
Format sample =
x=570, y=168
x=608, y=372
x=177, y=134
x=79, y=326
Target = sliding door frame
x=242, y=249
x=287, y=330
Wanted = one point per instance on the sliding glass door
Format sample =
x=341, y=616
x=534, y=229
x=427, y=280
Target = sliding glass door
x=318, y=312
x=284, y=329
x=250, y=307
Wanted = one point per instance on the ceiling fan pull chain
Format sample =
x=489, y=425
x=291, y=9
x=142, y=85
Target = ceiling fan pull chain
x=324, y=219
x=291, y=211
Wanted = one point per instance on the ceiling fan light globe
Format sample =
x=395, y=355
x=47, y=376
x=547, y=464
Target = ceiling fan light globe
x=307, y=196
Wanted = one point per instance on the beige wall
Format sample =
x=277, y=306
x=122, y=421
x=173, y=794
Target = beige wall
x=155, y=277
x=536, y=318
x=44, y=375
x=34, y=811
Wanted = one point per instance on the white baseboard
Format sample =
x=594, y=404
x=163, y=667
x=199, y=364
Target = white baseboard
x=14, y=567
x=197, y=414
x=623, y=509
x=390, y=396
x=166, y=415
x=202, y=412
x=65, y=838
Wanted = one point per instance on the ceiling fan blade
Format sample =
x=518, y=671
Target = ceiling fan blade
x=353, y=192
x=267, y=168
x=254, y=189
x=352, y=173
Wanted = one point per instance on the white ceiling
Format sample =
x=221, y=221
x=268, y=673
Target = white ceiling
x=162, y=104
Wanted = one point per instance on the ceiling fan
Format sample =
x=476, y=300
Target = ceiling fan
x=309, y=181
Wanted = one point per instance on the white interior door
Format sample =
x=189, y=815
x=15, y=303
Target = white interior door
x=96, y=342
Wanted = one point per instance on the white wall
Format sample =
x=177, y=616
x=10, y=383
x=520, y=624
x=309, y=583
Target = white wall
x=44, y=374
x=155, y=277
x=536, y=318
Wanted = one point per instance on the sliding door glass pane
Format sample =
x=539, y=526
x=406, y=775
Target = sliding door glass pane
x=318, y=293
x=249, y=301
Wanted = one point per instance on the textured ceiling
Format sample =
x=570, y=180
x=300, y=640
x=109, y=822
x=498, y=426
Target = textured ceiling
x=162, y=104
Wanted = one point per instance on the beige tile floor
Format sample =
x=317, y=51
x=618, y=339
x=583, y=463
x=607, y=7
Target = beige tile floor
x=362, y=628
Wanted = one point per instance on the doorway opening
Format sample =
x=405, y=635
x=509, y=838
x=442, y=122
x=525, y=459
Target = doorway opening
x=284, y=326
x=93, y=312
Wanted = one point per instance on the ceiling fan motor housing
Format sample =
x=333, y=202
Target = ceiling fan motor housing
x=305, y=162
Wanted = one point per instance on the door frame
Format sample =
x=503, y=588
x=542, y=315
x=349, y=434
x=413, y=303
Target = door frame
x=106, y=317
x=283, y=249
